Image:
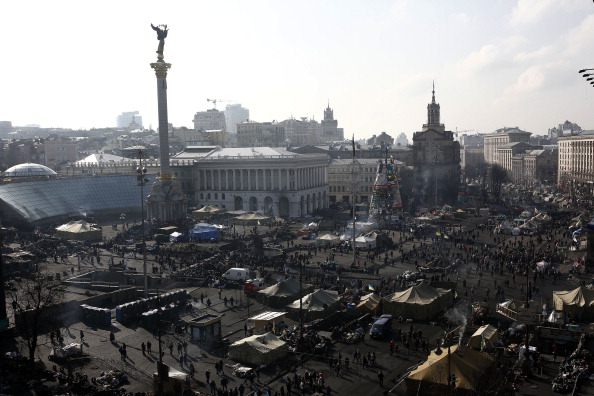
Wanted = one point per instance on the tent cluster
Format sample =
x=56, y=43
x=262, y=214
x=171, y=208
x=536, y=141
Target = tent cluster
x=419, y=302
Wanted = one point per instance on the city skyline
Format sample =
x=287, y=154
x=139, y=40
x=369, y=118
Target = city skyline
x=502, y=63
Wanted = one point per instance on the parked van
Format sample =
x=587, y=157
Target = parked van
x=237, y=274
x=382, y=327
x=253, y=285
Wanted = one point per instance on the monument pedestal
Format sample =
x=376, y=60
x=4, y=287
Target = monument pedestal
x=166, y=201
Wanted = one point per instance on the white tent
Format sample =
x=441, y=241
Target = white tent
x=79, y=230
x=364, y=242
x=328, y=238
x=259, y=349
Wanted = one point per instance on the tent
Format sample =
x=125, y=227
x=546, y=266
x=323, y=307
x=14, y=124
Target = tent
x=250, y=218
x=79, y=230
x=419, y=302
x=577, y=302
x=369, y=303
x=283, y=292
x=470, y=368
x=204, y=231
x=316, y=304
x=207, y=211
x=364, y=242
x=259, y=349
x=486, y=333
x=381, y=238
x=266, y=319
x=328, y=238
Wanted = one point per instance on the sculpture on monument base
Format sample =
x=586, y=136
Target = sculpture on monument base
x=166, y=201
x=161, y=34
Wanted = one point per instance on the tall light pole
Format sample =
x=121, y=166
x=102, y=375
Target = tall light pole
x=142, y=180
x=589, y=76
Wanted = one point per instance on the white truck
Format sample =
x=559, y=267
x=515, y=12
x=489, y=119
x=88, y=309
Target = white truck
x=237, y=274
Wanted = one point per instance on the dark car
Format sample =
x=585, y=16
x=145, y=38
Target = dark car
x=382, y=327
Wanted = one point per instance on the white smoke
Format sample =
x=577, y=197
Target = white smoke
x=458, y=316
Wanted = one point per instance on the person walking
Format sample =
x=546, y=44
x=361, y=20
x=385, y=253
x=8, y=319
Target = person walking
x=207, y=373
x=148, y=347
x=380, y=377
x=213, y=387
x=143, y=347
x=82, y=336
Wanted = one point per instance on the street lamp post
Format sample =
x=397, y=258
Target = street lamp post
x=142, y=180
x=589, y=76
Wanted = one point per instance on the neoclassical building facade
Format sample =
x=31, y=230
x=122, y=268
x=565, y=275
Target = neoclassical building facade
x=576, y=162
x=271, y=181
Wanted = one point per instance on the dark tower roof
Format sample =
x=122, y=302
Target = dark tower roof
x=433, y=110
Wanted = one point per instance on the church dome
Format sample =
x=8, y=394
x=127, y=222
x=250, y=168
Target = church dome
x=29, y=170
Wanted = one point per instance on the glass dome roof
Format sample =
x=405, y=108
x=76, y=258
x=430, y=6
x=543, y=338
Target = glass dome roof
x=29, y=170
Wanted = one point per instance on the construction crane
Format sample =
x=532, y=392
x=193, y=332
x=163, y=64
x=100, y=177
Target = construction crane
x=466, y=130
x=214, y=101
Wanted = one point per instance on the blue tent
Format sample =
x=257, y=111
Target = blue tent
x=204, y=231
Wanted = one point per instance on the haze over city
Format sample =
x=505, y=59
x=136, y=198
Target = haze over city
x=498, y=63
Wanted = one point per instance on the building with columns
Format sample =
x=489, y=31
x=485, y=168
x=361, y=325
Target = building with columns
x=539, y=165
x=502, y=137
x=576, y=162
x=271, y=181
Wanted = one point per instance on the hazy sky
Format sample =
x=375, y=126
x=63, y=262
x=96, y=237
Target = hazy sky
x=496, y=63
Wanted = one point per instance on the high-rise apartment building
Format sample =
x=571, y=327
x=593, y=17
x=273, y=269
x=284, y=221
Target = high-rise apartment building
x=235, y=114
x=130, y=120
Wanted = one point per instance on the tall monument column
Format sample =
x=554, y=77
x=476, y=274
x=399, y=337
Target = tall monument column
x=161, y=68
x=166, y=201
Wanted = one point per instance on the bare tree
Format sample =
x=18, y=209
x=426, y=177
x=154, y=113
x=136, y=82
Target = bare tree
x=498, y=177
x=36, y=301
